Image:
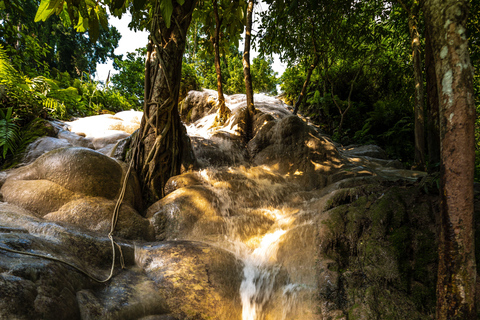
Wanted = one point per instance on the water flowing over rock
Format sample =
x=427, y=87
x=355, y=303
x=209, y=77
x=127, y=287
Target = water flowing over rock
x=287, y=225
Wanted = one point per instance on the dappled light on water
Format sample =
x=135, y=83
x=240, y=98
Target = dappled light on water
x=256, y=220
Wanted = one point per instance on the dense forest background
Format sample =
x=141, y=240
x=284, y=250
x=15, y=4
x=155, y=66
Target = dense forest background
x=358, y=63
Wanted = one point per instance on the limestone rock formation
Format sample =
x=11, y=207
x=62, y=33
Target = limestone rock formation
x=288, y=225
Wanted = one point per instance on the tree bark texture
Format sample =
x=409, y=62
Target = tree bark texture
x=159, y=147
x=246, y=56
x=457, y=270
x=246, y=71
x=223, y=113
x=432, y=115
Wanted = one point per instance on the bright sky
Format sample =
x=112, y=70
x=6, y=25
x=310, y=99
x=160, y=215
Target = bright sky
x=132, y=40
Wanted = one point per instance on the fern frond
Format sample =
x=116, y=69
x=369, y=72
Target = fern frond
x=9, y=133
x=8, y=75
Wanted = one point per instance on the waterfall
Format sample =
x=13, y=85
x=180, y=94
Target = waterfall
x=255, y=209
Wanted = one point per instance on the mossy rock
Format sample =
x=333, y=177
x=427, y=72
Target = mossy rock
x=382, y=238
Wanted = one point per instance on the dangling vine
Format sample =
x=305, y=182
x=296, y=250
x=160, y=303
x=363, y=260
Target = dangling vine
x=158, y=148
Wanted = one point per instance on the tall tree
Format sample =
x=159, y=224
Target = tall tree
x=457, y=269
x=413, y=12
x=246, y=69
x=299, y=43
x=246, y=56
x=216, y=45
x=222, y=21
x=160, y=147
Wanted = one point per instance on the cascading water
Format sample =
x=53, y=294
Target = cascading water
x=255, y=215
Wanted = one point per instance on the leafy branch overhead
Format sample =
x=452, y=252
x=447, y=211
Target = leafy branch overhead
x=90, y=15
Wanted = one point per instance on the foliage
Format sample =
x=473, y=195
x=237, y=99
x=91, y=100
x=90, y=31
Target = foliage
x=366, y=39
x=291, y=83
x=130, y=79
x=189, y=80
x=232, y=16
x=44, y=48
x=23, y=100
x=9, y=132
x=264, y=79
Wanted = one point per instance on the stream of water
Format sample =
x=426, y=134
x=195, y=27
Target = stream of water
x=256, y=217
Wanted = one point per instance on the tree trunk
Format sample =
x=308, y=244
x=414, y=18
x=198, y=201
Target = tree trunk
x=419, y=95
x=432, y=126
x=223, y=112
x=413, y=13
x=305, y=84
x=159, y=146
x=246, y=70
x=349, y=100
x=457, y=270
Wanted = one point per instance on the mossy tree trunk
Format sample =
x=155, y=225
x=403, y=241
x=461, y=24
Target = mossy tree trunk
x=159, y=147
x=457, y=269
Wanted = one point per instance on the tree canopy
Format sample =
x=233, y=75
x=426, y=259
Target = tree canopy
x=363, y=71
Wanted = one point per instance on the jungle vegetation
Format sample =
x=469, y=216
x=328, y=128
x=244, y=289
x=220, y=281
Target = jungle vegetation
x=365, y=71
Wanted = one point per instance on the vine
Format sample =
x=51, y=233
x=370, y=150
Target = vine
x=158, y=152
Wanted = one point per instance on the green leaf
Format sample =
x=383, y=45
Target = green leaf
x=181, y=2
x=166, y=8
x=139, y=4
x=93, y=26
x=102, y=16
x=65, y=17
x=82, y=24
x=117, y=4
x=45, y=10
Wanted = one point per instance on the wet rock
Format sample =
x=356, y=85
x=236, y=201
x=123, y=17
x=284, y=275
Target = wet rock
x=297, y=245
x=196, y=105
x=223, y=149
x=136, y=296
x=43, y=145
x=385, y=244
x=122, y=147
x=95, y=214
x=160, y=317
x=184, y=180
x=88, y=249
x=79, y=170
x=38, y=288
x=309, y=155
x=75, y=139
x=109, y=139
x=187, y=213
x=39, y=196
x=105, y=124
x=131, y=118
x=198, y=281
x=369, y=150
